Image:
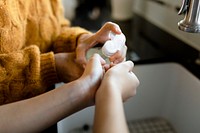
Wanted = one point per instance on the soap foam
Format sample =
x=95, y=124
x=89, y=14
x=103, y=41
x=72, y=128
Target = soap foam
x=112, y=46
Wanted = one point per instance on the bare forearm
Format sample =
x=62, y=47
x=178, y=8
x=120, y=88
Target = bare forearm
x=109, y=114
x=35, y=114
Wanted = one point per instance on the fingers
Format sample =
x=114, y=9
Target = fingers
x=97, y=60
x=124, y=66
x=119, y=56
x=94, y=58
x=80, y=57
x=94, y=66
x=128, y=65
x=110, y=26
x=85, y=41
x=103, y=33
x=98, y=57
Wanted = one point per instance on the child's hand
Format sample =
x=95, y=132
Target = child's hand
x=120, y=80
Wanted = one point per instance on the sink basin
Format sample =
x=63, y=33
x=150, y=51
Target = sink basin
x=166, y=90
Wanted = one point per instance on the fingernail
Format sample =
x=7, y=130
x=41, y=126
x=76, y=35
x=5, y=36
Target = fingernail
x=118, y=29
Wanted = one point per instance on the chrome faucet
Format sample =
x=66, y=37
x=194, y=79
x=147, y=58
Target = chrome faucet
x=191, y=22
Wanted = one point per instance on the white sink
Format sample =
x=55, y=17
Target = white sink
x=167, y=90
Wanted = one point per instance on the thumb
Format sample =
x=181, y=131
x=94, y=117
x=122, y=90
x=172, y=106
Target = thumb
x=81, y=57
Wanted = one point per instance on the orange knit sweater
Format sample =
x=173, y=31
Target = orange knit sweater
x=29, y=29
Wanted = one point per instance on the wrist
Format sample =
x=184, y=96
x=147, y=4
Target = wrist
x=87, y=89
x=57, y=65
x=108, y=91
x=48, y=69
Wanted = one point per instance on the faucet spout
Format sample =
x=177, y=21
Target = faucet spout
x=184, y=7
x=191, y=21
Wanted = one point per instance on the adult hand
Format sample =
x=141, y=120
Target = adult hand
x=92, y=76
x=87, y=41
x=120, y=80
x=67, y=67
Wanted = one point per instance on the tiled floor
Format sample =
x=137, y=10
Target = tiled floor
x=150, y=125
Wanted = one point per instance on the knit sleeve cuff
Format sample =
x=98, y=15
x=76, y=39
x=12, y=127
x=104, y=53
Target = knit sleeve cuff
x=48, y=69
x=66, y=41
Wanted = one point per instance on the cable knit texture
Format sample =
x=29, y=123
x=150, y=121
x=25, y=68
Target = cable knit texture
x=29, y=32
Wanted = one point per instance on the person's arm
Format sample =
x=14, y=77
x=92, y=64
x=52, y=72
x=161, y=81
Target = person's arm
x=119, y=84
x=38, y=113
x=109, y=114
x=25, y=73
